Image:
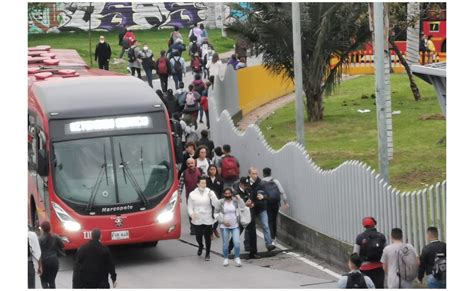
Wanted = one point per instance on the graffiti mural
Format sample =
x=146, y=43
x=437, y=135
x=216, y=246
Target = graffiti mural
x=108, y=16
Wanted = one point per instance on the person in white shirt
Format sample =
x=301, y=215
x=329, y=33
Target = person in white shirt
x=214, y=67
x=202, y=161
x=34, y=255
x=200, y=203
x=391, y=259
x=197, y=32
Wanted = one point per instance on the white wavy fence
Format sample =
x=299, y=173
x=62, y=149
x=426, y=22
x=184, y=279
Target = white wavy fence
x=332, y=202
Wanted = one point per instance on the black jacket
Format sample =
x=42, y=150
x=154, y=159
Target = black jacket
x=51, y=246
x=171, y=103
x=217, y=186
x=428, y=255
x=92, y=266
x=260, y=205
x=245, y=195
x=209, y=144
x=103, y=51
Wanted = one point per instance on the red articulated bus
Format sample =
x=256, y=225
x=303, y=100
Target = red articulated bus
x=100, y=154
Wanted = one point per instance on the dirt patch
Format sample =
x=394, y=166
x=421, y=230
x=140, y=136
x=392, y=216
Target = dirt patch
x=417, y=179
x=436, y=116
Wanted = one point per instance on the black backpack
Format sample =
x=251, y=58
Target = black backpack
x=178, y=68
x=355, y=280
x=372, y=247
x=271, y=189
x=439, y=266
x=131, y=55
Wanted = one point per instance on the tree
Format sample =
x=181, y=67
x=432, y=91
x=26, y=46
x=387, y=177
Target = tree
x=329, y=31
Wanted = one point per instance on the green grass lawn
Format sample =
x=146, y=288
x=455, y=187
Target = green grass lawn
x=345, y=134
x=157, y=40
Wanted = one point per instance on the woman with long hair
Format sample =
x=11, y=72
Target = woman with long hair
x=51, y=247
x=216, y=184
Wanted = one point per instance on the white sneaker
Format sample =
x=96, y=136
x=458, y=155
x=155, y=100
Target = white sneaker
x=237, y=262
x=226, y=262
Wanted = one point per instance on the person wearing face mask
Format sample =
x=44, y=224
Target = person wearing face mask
x=216, y=184
x=146, y=57
x=228, y=210
x=103, y=52
x=200, y=203
x=188, y=179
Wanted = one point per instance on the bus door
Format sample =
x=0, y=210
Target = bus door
x=37, y=166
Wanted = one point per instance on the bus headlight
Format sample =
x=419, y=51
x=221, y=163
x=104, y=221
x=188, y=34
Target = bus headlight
x=68, y=222
x=168, y=213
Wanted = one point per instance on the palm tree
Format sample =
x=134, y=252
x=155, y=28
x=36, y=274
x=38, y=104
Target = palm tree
x=329, y=30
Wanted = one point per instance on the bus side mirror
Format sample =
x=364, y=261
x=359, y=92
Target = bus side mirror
x=43, y=167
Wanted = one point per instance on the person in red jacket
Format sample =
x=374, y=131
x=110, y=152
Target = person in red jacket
x=205, y=104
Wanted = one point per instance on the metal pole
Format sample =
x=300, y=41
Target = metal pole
x=90, y=27
x=298, y=69
x=380, y=88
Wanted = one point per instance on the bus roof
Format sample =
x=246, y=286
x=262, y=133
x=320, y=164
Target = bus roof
x=93, y=96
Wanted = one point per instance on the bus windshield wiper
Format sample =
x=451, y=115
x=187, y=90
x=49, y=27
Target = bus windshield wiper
x=95, y=188
x=131, y=178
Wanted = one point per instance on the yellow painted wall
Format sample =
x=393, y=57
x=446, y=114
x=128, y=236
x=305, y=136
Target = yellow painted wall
x=258, y=86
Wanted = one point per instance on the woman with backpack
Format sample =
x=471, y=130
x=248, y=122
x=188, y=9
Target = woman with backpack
x=196, y=64
x=51, y=247
x=163, y=69
x=133, y=59
x=191, y=105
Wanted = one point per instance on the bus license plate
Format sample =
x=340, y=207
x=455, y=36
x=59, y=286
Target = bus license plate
x=119, y=235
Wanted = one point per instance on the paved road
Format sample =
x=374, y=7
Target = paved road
x=174, y=264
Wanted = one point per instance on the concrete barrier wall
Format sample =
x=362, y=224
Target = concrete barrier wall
x=258, y=86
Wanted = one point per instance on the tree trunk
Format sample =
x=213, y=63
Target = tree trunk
x=413, y=86
x=314, y=106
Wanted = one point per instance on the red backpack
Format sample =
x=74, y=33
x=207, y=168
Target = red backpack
x=230, y=168
x=162, y=66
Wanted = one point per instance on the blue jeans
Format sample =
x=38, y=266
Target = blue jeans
x=434, y=283
x=235, y=232
x=177, y=78
x=263, y=217
x=149, y=75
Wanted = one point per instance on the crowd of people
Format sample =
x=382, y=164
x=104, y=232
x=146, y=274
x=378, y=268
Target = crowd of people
x=374, y=264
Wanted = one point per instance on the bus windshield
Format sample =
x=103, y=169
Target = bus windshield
x=113, y=170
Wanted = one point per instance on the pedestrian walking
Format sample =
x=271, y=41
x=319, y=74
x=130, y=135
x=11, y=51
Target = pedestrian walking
x=163, y=69
x=133, y=59
x=241, y=189
x=205, y=107
x=355, y=279
x=229, y=167
x=34, y=257
x=207, y=54
x=121, y=31
x=204, y=34
x=189, y=179
x=177, y=69
x=274, y=191
x=51, y=247
x=127, y=41
x=148, y=63
x=94, y=264
x=203, y=162
x=195, y=33
x=228, y=212
x=241, y=64
x=422, y=47
x=177, y=48
x=200, y=203
x=174, y=36
x=233, y=61
x=218, y=154
x=191, y=104
x=214, y=67
x=259, y=199
x=369, y=245
x=205, y=141
x=102, y=54
x=171, y=102
x=196, y=65
x=433, y=260
x=400, y=262
x=216, y=184
x=431, y=49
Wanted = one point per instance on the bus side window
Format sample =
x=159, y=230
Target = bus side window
x=32, y=143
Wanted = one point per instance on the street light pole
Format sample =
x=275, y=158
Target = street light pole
x=224, y=34
x=380, y=88
x=298, y=71
x=90, y=27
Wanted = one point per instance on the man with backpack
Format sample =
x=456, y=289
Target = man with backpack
x=355, y=279
x=191, y=104
x=369, y=245
x=433, y=260
x=274, y=192
x=400, y=262
x=133, y=60
x=163, y=69
x=229, y=167
x=181, y=97
x=178, y=68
